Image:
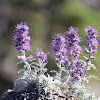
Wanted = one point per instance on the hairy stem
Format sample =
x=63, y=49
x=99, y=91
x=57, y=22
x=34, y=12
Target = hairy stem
x=89, y=58
x=60, y=71
x=26, y=62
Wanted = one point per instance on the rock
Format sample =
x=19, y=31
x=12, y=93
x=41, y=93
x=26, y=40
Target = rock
x=34, y=92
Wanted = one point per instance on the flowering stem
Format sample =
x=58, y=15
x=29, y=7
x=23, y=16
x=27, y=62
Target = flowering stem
x=91, y=42
x=89, y=59
x=60, y=71
x=25, y=61
x=41, y=67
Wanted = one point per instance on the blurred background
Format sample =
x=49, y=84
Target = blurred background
x=47, y=18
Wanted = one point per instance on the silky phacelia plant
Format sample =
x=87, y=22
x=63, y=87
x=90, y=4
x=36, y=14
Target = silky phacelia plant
x=34, y=64
x=66, y=53
x=74, y=67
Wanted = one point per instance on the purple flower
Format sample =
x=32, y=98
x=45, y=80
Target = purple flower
x=91, y=40
x=72, y=41
x=61, y=57
x=21, y=37
x=75, y=51
x=41, y=55
x=66, y=47
x=58, y=43
x=91, y=32
x=78, y=70
x=94, y=45
x=72, y=36
x=59, y=48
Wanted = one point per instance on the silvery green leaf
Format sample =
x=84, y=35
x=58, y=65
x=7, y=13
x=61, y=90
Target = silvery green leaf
x=88, y=68
x=44, y=83
x=35, y=63
x=37, y=69
x=85, y=57
x=63, y=68
x=30, y=58
x=93, y=76
x=20, y=62
x=93, y=66
x=33, y=66
x=44, y=64
x=53, y=71
x=86, y=79
x=66, y=77
x=45, y=70
x=21, y=70
x=25, y=66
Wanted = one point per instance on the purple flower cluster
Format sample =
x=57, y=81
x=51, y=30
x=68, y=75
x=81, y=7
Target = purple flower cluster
x=78, y=70
x=59, y=43
x=91, y=40
x=72, y=41
x=41, y=55
x=59, y=48
x=66, y=46
x=21, y=37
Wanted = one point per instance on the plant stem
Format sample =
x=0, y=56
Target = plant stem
x=89, y=58
x=41, y=67
x=26, y=62
x=60, y=71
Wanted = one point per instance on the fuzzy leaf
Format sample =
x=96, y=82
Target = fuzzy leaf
x=44, y=64
x=20, y=62
x=92, y=76
x=35, y=63
x=53, y=71
x=45, y=70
